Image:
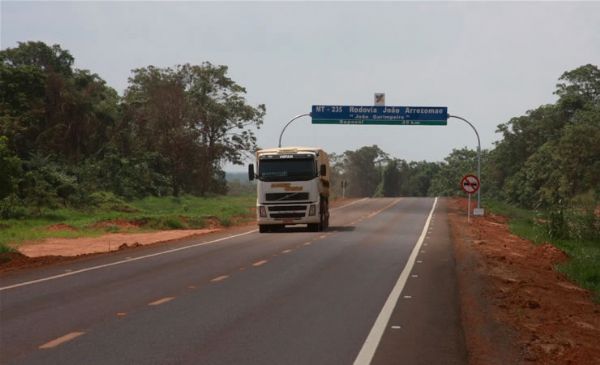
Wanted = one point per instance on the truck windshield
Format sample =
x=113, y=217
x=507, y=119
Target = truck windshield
x=287, y=169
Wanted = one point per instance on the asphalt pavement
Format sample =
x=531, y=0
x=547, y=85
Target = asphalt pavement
x=377, y=287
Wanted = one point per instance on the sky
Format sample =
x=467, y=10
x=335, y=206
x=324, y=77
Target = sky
x=487, y=62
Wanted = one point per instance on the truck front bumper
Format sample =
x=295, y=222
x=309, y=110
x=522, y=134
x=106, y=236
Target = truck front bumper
x=287, y=214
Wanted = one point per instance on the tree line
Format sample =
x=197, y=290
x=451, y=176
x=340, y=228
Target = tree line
x=547, y=160
x=66, y=135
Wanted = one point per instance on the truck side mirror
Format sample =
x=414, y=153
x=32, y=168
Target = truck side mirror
x=251, y=172
x=323, y=170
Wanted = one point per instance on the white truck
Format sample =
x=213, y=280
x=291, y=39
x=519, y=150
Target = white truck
x=292, y=188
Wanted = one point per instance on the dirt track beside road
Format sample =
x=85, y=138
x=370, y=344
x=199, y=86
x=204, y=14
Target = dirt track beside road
x=54, y=250
x=105, y=243
x=516, y=306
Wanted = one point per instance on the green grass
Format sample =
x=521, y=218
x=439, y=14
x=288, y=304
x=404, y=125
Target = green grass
x=6, y=249
x=149, y=214
x=583, y=266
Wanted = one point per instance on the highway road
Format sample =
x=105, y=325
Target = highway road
x=377, y=287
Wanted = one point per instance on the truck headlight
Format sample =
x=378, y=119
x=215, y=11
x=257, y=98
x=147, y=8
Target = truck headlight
x=312, y=210
x=262, y=211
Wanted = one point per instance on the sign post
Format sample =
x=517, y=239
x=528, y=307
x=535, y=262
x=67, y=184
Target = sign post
x=470, y=184
x=290, y=122
x=479, y=210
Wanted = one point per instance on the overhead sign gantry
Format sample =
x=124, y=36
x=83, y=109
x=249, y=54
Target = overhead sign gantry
x=386, y=115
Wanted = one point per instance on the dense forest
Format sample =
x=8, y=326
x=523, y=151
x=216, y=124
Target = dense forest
x=68, y=139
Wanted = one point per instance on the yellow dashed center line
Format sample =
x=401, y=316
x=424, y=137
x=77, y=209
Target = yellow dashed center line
x=121, y=314
x=307, y=243
x=161, y=301
x=259, y=263
x=380, y=210
x=286, y=251
x=59, y=341
x=191, y=286
x=219, y=278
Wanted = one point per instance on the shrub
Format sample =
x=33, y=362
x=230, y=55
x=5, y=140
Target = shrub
x=108, y=201
x=12, y=208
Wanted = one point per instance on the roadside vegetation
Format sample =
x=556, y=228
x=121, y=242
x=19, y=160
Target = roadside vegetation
x=115, y=215
x=75, y=155
x=581, y=244
x=65, y=135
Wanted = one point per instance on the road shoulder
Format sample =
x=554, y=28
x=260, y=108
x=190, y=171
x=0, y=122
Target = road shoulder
x=425, y=327
x=516, y=307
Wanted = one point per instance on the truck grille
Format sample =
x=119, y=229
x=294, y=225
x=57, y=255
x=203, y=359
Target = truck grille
x=285, y=208
x=286, y=196
x=287, y=215
x=287, y=211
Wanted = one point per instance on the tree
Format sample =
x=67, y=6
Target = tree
x=548, y=155
x=419, y=178
x=578, y=154
x=50, y=108
x=361, y=172
x=391, y=179
x=195, y=116
x=336, y=175
x=579, y=88
x=223, y=119
x=457, y=164
x=10, y=169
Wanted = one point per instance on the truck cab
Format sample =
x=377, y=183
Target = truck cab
x=292, y=188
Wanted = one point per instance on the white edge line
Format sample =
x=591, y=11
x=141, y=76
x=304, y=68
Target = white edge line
x=123, y=261
x=372, y=342
x=140, y=257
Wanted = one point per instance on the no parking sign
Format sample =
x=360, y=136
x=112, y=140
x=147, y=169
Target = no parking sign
x=470, y=184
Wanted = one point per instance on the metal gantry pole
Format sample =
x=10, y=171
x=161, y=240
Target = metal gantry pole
x=290, y=122
x=478, y=157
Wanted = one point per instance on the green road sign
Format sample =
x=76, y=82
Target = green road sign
x=381, y=115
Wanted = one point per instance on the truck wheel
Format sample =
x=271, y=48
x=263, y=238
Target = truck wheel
x=318, y=227
x=323, y=216
x=262, y=228
x=313, y=227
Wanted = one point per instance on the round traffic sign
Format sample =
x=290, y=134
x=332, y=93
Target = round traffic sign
x=470, y=184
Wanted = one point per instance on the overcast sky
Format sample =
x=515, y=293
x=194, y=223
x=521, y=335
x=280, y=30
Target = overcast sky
x=487, y=62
